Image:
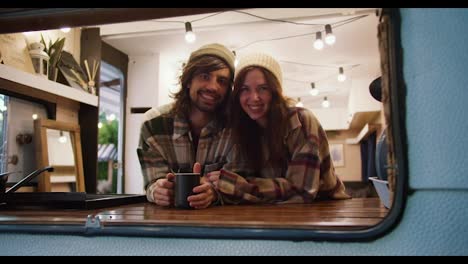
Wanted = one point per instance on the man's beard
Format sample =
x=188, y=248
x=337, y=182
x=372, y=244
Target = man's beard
x=206, y=108
x=198, y=103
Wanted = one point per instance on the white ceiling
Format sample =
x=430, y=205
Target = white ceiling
x=356, y=47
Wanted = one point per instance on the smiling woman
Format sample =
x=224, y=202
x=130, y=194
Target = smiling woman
x=157, y=46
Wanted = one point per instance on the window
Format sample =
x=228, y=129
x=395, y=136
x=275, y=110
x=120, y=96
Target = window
x=3, y=134
x=379, y=58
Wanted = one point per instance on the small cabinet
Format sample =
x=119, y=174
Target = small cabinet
x=64, y=104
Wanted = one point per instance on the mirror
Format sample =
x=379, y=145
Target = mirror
x=58, y=144
x=17, y=151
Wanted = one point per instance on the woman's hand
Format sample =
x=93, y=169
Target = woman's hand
x=213, y=177
x=204, y=195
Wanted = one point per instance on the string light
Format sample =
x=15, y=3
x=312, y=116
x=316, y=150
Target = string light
x=341, y=75
x=314, y=91
x=299, y=103
x=318, y=43
x=325, y=103
x=189, y=35
x=330, y=39
x=337, y=24
x=62, y=139
x=236, y=61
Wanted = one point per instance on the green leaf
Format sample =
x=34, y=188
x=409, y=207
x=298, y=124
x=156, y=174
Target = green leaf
x=45, y=46
x=54, y=50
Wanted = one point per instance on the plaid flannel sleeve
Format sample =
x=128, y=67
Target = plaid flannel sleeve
x=311, y=170
x=154, y=165
x=239, y=185
x=236, y=189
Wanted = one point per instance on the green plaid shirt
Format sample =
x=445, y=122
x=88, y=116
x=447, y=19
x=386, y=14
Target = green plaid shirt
x=308, y=174
x=166, y=145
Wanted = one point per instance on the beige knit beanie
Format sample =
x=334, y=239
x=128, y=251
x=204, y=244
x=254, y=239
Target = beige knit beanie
x=217, y=50
x=262, y=60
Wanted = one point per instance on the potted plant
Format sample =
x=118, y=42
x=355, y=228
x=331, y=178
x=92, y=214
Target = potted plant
x=54, y=50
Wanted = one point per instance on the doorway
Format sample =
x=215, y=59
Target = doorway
x=110, y=135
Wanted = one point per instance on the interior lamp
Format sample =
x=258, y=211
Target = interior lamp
x=341, y=75
x=318, y=43
x=40, y=59
x=329, y=37
x=62, y=139
x=65, y=29
x=299, y=103
x=189, y=35
x=236, y=61
x=325, y=103
x=314, y=91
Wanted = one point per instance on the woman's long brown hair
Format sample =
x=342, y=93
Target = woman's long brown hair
x=247, y=133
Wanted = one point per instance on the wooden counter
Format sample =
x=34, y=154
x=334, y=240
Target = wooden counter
x=353, y=214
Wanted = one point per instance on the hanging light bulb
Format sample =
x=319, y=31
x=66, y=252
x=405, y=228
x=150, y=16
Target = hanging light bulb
x=341, y=75
x=299, y=103
x=189, y=35
x=318, y=43
x=314, y=91
x=34, y=116
x=62, y=139
x=329, y=37
x=65, y=29
x=236, y=61
x=325, y=103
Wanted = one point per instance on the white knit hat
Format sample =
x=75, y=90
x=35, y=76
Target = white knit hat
x=217, y=50
x=263, y=60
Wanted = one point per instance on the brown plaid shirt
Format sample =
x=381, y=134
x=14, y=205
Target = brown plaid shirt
x=166, y=145
x=308, y=174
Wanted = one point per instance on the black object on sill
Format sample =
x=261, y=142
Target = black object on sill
x=139, y=110
x=28, y=178
x=68, y=200
x=61, y=200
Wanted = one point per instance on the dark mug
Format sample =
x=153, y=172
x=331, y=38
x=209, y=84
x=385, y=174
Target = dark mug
x=184, y=184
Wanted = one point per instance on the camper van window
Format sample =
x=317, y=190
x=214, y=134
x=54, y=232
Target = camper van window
x=343, y=65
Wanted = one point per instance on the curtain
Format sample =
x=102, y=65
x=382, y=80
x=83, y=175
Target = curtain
x=368, y=146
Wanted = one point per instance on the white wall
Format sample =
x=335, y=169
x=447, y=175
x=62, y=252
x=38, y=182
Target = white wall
x=168, y=78
x=332, y=118
x=360, y=100
x=143, y=91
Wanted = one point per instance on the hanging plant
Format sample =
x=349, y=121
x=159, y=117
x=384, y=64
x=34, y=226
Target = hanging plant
x=54, y=50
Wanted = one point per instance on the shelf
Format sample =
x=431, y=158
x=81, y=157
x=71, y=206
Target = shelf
x=45, y=85
x=360, y=119
x=366, y=130
x=62, y=179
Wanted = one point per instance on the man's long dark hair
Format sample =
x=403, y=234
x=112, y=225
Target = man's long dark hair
x=202, y=64
x=247, y=133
